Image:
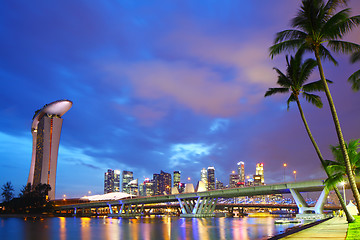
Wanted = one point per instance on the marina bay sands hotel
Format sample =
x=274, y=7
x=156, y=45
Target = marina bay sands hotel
x=46, y=129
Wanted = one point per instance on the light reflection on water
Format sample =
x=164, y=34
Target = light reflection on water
x=146, y=228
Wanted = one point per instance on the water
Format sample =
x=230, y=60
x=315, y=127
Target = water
x=142, y=228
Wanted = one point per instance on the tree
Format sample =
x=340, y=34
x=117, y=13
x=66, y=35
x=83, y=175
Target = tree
x=297, y=74
x=337, y=169
x=316, y=25
x=7, y=191
x=354, y=79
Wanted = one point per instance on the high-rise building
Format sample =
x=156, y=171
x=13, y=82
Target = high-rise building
x=204, y=177
x=260, y=172
x=211, y=178
x=112, y=181
x=149, y=187
x=46, y=130
x=156, y=179
x=176, y=179
x=133, y=187
x=165, y=183
x=234, y=180
x=127, y=177
x=219, y=185
x=241, y=172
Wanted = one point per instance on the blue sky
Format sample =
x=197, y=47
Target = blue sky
x=159, y=85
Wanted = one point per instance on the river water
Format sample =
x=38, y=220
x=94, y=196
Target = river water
x=146, y=228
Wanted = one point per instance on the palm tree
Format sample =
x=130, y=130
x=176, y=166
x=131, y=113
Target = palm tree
x=337, y=168
x=315, y=25
x=354, y=79
x=297, y=73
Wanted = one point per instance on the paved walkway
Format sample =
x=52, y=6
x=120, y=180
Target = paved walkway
x=335, y=228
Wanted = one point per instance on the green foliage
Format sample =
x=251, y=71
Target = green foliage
x=7, y=191
x=336, y=168
x=354, y=79
x=317, y=26
x=353, y=232
x=297, y=74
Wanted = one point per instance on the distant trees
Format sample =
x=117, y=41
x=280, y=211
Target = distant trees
x=7, y=191
x=30, y=200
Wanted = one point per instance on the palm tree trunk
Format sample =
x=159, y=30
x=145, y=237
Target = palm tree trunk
x=349, y=173
x=349, y=217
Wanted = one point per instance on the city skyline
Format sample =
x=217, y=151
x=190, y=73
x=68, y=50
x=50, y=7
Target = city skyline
x=170, y=86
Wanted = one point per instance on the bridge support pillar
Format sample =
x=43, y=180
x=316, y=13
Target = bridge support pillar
x=307, y=212
x=200, y=207
x=128, y=210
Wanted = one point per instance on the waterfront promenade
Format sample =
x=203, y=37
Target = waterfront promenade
x=334, y=228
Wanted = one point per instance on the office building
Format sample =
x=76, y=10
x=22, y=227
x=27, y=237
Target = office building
x=127, y=177
x=211, y=178
x=260, y=172
x=156, y=180
x=219, y=185
x=176, y=179
x=165, y=183
x=112, y=181
x=234, y=180
x=46, y=130
x=204, y=177
x=241, y=172
x=133, y=187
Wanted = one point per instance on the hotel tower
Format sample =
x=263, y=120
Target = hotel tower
x=46, y=129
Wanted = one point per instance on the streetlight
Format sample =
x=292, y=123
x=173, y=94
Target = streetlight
x=343, y=185
x=64, y=197
x=294, y=172
x=284, y=170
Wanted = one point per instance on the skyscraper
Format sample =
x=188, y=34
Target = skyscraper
x=165, y=183
x=234, y=180
x=204, y=177
x=211, y=178
x=46, y=130
x=241, y=171
x=156, y=179
x=176, y=179
x=260, y=173
x=112, y=181
x=127, y=177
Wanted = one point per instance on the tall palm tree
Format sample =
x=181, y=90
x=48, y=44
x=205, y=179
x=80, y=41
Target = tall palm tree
x=316, y=25
x=297, y=74
x=354, y=79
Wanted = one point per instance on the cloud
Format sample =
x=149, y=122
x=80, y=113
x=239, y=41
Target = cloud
x=183, y=154
x=219, y=124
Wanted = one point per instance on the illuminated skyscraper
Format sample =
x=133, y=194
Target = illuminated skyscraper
x=260, y=173
x=46, y=129
x=127, y=177
x=211, y=178
x=176, y=179
x=204, y=177
x=234, y=180
x=112, y=181
x=241, y=171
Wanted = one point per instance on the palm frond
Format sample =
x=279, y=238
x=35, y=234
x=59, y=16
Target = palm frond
x=306, y=69
x=331, y=5
x=285, y=46
x=290, y=99
x=355, y=57
x=343, y=46
x=313, y=99
x=283, y=79
x=315, y=86
x=290, y=34
x=338, y=25
x=333, y=180
x=273, y=91
x=325, y=54
x=354, y=79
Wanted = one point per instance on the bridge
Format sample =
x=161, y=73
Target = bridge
x=203, y=204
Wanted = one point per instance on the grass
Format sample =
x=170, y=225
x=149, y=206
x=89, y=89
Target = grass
x=354, y=229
